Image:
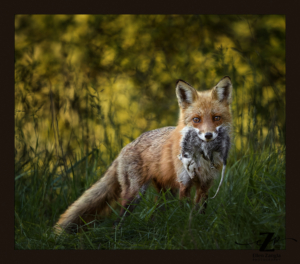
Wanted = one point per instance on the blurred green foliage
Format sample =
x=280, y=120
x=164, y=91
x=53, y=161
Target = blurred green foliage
x=78, y=74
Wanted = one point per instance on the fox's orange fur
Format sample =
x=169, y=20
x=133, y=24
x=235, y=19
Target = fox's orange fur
x=152, y=158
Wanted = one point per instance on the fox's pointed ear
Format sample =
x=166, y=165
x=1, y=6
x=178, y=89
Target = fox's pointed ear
x=185, y=93
x=223, y=90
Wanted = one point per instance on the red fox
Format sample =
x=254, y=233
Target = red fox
x=153, y=158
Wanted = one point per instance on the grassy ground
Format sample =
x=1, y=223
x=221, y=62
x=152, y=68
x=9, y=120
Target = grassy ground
x=251, y=201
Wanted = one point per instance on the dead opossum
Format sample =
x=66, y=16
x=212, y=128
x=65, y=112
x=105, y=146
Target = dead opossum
x=192, y=147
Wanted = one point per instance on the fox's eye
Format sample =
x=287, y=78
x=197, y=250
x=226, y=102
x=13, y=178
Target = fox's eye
x=196, y=120
x=217, y=118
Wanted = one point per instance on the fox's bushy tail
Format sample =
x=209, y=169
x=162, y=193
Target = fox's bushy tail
x=93, y=201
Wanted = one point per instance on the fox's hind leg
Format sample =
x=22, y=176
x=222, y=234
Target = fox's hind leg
x=134, y=182
x=131, y=199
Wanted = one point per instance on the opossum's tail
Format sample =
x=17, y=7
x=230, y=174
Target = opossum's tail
x=222, y=177
x=93, y=201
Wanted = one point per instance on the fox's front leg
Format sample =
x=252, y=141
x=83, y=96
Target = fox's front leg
x=201, y=198
x=189, y=164
x=185, y=190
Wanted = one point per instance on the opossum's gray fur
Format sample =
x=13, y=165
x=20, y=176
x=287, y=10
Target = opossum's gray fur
x=192, y=147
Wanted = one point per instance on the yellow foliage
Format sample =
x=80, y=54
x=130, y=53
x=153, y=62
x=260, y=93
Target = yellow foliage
x=117, y=66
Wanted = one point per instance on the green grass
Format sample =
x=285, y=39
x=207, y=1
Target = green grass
x=251, y=201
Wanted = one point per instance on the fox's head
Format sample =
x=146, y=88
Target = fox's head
x=207, y=110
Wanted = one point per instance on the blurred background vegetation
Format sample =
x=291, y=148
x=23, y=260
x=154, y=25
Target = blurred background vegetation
x=87, y=85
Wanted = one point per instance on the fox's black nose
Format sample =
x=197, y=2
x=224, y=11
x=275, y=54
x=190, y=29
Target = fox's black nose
x=208, y=135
